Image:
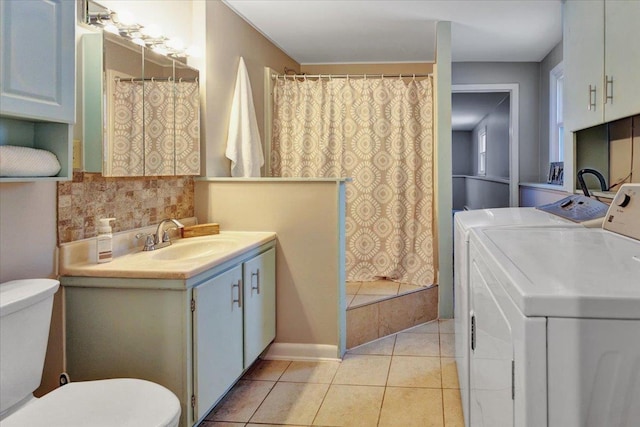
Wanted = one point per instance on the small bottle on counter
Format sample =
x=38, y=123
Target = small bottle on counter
x=104, y=241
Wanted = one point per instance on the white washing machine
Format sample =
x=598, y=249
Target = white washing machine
x=464, y=222
x=555, y=315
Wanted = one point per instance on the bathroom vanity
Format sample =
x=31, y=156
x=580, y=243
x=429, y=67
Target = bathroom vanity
x=192, y=317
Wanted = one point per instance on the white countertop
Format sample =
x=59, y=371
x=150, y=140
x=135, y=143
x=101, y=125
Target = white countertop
x=76, y=260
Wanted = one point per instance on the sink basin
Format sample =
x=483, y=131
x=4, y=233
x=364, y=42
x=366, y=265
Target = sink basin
x=184, y=251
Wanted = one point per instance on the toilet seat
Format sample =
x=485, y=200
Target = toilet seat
x=121, y=402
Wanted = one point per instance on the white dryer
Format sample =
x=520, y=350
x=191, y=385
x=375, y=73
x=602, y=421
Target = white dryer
x=555, y=337
x=464, y=222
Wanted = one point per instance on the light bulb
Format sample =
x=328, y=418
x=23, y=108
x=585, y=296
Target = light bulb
x=152, y=31
x=110, y=28
x=175, y=43
x=160, y=49
x=193, y=51
x=125, y=17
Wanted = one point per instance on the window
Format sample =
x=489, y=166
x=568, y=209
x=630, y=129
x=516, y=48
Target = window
x=556, y=123
x=482, y=151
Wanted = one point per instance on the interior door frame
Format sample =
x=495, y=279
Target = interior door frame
x=514, y=129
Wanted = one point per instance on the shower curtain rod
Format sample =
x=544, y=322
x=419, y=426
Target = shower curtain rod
x=156, y=79
x=357, y=76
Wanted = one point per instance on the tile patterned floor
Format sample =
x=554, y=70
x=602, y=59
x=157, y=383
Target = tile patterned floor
x=403, y=380
x=361, y=293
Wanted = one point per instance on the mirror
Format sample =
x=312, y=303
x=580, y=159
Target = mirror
x=140, y=110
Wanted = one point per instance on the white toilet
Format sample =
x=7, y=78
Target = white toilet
x=25, y=315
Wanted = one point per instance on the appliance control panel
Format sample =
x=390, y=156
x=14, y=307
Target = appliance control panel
x=577, y=208
x=623, y=216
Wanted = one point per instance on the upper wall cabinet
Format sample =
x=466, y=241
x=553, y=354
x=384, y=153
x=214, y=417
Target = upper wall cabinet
x=37, y=81
x=602, y=59
x=38, y=60
x=141, y=110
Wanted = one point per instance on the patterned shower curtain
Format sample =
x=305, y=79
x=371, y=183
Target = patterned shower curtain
x=155, y=128
x=187, y=128
x=159, y=119
x=378, y=132
x=125, y=130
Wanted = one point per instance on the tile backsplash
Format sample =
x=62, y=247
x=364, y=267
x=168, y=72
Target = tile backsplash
x=134, y=202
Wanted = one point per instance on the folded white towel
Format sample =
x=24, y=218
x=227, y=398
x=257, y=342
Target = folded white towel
x=244, y=148
x=18, y=161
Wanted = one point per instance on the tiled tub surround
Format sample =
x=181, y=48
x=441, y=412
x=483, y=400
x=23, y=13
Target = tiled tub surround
x=403, y=380
x=134, y=202
x=387, y=313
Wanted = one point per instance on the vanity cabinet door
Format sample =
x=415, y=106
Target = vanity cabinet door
x=259, y=304
x=217, y=332
x=37, y=59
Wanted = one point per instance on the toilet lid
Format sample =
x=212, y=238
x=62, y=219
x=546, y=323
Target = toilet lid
x=116, y=402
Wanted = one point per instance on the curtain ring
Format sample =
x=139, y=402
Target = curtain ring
x=365, y=77
x=399, y=76
x=153, y=80
x=414, y=77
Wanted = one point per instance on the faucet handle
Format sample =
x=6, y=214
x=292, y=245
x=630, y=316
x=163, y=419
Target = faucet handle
x=149, y=244
x=165, y=235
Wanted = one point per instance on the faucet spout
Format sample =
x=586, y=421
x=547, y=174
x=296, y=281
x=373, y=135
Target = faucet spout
x=163, y=236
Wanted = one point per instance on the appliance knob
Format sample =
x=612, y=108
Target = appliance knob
x=623, y=200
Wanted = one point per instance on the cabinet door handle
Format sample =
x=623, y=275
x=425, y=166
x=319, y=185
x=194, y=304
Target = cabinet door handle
x=592, y=95
x=608, y=94
x=257, y=287
x=473, y=332
x=239, y=300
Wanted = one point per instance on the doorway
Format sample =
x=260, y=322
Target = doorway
x=484, y=146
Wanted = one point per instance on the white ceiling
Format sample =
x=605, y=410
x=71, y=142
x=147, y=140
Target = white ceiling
x=352, y=31
x=468, y=109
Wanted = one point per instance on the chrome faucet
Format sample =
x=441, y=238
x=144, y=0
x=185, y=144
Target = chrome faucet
x=165, y=234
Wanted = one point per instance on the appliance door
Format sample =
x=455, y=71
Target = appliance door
x=594, y=372
x=461, y=312
x=508, y=358
x=491, y=402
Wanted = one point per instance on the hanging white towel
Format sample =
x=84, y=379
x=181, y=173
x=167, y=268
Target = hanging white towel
x=244, y=148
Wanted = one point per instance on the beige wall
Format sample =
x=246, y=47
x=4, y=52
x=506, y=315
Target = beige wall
x=27, y=250
x=28, y=211
x=228, y=38
x=306, y=217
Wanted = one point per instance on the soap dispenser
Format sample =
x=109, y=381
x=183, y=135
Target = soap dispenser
x=104, y=241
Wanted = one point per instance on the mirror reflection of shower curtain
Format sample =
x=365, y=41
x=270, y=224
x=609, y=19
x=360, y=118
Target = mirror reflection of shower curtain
x=187, y=116
x=159, y=137
x=125, y=131
x=379, y=132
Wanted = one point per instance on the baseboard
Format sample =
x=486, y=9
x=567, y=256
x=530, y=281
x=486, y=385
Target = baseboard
x=302, y=352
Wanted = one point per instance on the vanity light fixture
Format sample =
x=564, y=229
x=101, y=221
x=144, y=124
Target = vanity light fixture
x=123, y=23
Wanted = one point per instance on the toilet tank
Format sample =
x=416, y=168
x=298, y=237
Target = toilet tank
x=25, y=316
